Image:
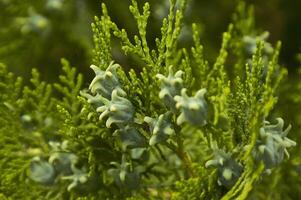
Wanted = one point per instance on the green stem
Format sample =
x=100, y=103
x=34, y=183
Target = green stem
x=182, y=154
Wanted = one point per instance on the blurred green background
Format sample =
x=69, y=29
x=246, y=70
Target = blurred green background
x=37, y=33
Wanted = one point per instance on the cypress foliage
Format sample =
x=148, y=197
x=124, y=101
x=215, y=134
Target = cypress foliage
x=173, y=126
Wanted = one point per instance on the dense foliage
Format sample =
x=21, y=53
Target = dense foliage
x=171, y=124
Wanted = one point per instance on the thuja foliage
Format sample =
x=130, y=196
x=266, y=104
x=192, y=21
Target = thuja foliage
x=173, y=126
x=286, y=177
